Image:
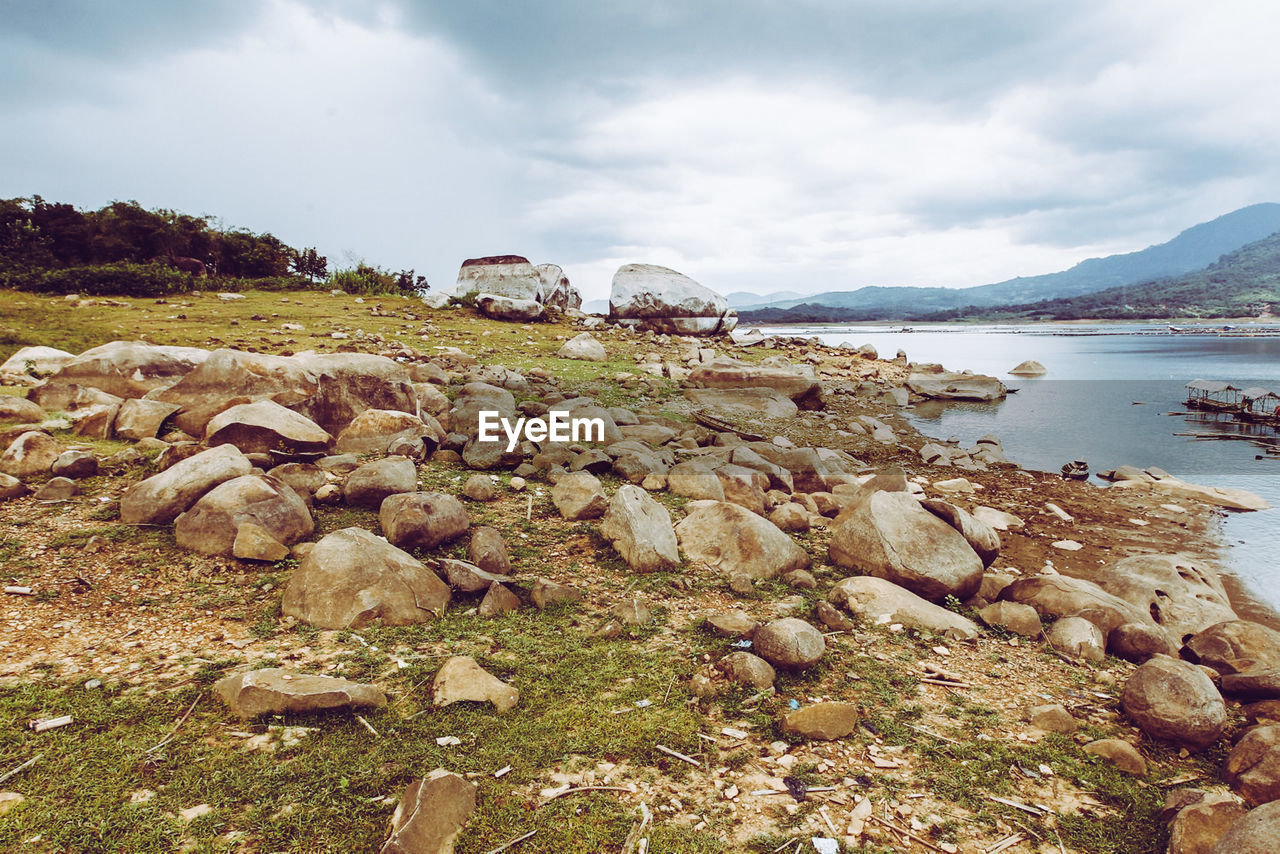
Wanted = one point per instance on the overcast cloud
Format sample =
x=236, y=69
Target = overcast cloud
x=754, y=145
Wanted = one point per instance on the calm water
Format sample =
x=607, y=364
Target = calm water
x=1106, y=399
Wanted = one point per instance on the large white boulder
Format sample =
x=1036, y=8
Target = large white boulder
x=29, y=364
x=661, y=299
x=501, y=275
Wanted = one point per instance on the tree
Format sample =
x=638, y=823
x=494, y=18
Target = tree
x=311, y=264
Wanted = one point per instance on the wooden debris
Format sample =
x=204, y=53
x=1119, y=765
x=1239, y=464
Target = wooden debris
x=368, y=726
x=24, y=766
x=808, y=791
x=16, y=590
x=946, y=683
x=1007, y=842
x=168, y=738
x=502, y=772
x=933, y=734
x=583, y=789
x=46, y=724
x=637, y=842
x=504, y=846
x=678, y=755
x=1036, y=811
x=908, y=834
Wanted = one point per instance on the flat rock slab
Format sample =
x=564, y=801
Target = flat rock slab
x=431, y=813
x=822, y=721
x=461, y=679
x=276, y=691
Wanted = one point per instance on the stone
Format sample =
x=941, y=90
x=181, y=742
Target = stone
x=997, y=519
x=254, y=542
x=9, y=800
x=639, y=528
x=33, y=453
x=1234, y=645
x=303, y=477
x=431, y=814
x=352, y=578
x=57, y=489
x=142, y=419
x=735, y=624
x=1253, y=766
x=1063, y=596
x=276, y=691
x=821, y=721
x=1119, y=753
x=1077, y=638
x=556, y=290
x=1017, y=618
x=1137, y=642
x=891, y=536
x=1054, y=717
x=472, y=399
x=790, y=518
x=461, y=679
x=479, y=487
x=1256, y=683
x=1257, y=833
x=1174, y=700
x=954, y=386
x=662, y=300
x=885, y=602
x=695, y=479
x=751, y=402
x=578, y=496
x=747, y=670
x=19, y=409
x=29, y=364
x=75, y=464
x=264, y=426
x=488, y=551
x=422, y=520
x=508, y=309
x=980, y=536
x=732, y=539
x=803, y=390
x=1262, y=712
x=374, y=431
x=1198, y=827
x=370, y=484
x=467, y=577
x=161, y=498
x=1217, y=496
x=1028, y=368
x=632, y=611
x=545, y=593
x=831, y=617
x=211, y=525
x=129, y=368
x=497, y=601
x=501, y=275
x=11, y=487
x=789, y=643
x=583, y=347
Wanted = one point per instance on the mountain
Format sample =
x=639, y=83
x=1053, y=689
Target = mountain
x=746, y=299
x=1193, y=249
x=1242, y=283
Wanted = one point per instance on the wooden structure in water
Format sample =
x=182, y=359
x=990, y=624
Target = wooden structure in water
x=1255, y=404
x=1261, y=405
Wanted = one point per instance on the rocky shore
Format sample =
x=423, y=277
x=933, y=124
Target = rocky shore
x=866, y=638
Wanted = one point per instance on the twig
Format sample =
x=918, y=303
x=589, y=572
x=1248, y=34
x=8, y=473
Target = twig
x=585, y=789
x=168, y=738
x=932, y=734
x=528, y=510
x=1007, y=842
x=946, y=683
x=15, y=590
x=1036, y=811
x=633, y=838
x=25, y=765
x=822, y=811
x=504, y=846
x=368, y=726
x=669, y=687
x=667, y=750
x=46, y=724
x=926, y=843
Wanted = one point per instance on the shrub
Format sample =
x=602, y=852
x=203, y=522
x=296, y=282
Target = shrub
x=134, y=280
x=366, y=280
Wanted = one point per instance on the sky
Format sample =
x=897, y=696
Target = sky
x=754, y=145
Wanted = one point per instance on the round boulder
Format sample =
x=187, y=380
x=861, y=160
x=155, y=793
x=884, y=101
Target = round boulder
x=1174, y=700
x=790, y=643
x=422, y=520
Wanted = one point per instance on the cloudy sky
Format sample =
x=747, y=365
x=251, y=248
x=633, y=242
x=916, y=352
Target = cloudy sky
x=752, y=144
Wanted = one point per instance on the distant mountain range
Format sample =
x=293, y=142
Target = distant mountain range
x=1193, y=250
x=1243, y=283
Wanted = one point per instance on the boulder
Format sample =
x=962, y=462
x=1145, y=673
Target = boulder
x=254, y=542
x=488, y=551
x=374, y=431
x=1234, y=645
x=139, y=418
x=801, y=388
x=461, y=679
x=1197, y=828
x=129, y=368
x=11, y=487
x=1063, y=596
x=1017, y=618
x=1137, y=642
x=735, y=624
x=556, y=290
x=821, y=721
x=467, y=577
x=498, y=601
x=508, y=309
x=1174, y=700
x=885, y=602
x=32, y=454
x=1054, y=717
x=353, y=578
x=1257, y=833
x=789, y=643
x=583, y=347
x=160, y=498
x=1077, y=638
x=1217, y=496
x=665, y=301
x=1119, y=753
x=509, y=276
x=750, y=402
x=19, y=409
x=479, y=487
x=264, y=426
x=732, y=539
x=303, y=477
x=474, y=398
x=892, y=537
x=953, y=386
x=747, y=670
x=1029, y=368
x=75, y=464
x=1256, y=683
x=578, y=495
x=94, y=420
x=422, y=520
x=211, y=525
x=639, y=529
x=695, y=479
x=546, y=592
x=370, y=484
x=431, y=813
x=56, y=489
x=276, y=691
x=980, y=536
x=1253, y=766
x=743, y=486
x=30, y=364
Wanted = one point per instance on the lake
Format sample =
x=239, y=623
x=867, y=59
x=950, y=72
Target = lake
x=1106, y=399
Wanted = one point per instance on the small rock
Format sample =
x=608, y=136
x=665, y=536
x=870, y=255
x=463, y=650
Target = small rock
x=545, y=593
x=746, y=669
x=1054, y=717
x=461, y=679
x=822, y=721
x=735, y=624
x=276, y=691
x=75, y=465
x=499, y=600
x=1119, y=753
x=431, y=813
x=57, y=489
x=790, y=643
x=254, y=542
x=479, y=487
x=488, y=551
